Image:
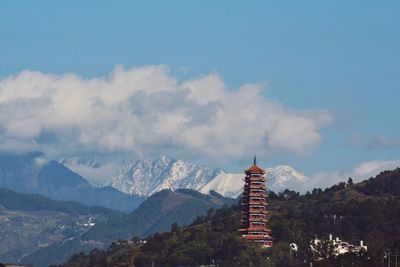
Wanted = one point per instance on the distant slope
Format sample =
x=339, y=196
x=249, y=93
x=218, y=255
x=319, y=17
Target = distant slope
x=156, y=214
x=34, y=173
x=29, y=222
x=10, y=200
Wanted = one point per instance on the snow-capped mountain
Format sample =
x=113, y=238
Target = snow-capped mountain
x=149, y=176
x=278, y=178
x=284, y=176
x=226, y=184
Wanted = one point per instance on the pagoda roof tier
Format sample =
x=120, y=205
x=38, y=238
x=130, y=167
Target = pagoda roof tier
x=254, y=178
x=254, y=169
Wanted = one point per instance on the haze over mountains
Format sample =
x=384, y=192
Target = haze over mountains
x=34, y=173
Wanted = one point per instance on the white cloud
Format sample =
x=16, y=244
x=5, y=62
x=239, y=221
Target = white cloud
x=145, y=110
x=359, y=173
x=97, y=176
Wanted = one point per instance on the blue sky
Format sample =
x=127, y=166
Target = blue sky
x=338, y=56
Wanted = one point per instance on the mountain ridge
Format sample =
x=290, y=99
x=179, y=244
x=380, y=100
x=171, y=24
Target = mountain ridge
x=149, y=176
x=35, y=173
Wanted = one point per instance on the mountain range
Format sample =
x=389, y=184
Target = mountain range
x=34, y=173
x=129, y=182
x=149, y=176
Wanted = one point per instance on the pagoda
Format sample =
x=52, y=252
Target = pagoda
x=254, y=207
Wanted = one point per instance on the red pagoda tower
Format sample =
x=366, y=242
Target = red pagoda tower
x=254, y=207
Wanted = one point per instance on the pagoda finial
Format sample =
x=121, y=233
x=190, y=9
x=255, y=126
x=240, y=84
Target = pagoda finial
x=255, y=160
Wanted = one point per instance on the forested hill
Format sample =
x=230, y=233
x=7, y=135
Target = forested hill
x=386, y=183
x=155, y=214
x=368, y=211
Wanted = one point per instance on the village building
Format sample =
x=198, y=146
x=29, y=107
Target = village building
x=340, y=246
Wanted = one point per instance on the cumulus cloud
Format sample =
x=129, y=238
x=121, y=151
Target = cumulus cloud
x=146, y=110
x=359, y=173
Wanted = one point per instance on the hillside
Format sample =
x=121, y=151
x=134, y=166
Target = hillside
x=155, y=214
x=369, y=211
x=29, y=222
x=34, y=173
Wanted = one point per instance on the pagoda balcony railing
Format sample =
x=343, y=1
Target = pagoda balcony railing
x=256, y=211
x=258, y=195
x=257, y=199
x=263, y=203
x=267, y=237
x=254, y=179
x=258, y=219
x=258, y=228
x=252, y=202
x=255, y=186
x=259, y=186
x=256, y=183
x=255, y=192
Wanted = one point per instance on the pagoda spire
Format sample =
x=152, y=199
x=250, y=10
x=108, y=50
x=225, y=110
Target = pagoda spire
x=255, y=160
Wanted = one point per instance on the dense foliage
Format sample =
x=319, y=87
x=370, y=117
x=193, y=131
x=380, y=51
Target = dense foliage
x=369, y=211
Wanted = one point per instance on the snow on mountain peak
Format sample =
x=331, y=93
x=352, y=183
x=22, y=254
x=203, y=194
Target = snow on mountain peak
x=284, y=173
x=146, y=177
x=150, y=176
